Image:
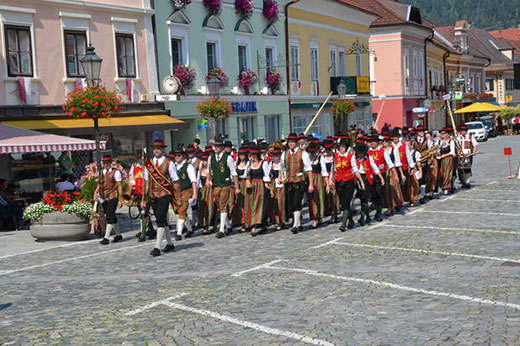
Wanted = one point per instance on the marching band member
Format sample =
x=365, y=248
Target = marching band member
x=446, y=156
x=368, y=171
x=257, y=184
x=415, y=172
x=188, y=193
x=320, y=180
x=136, y=186
x=331, y=200
x=406, y=162
x=206, y=200
x=394, y=195
x=277, y=175
x=469, y=148
x=222, y=173
x=296, y=163
x=110, y=190
x=428, y=169
x=161, y=183
x=241, y=168
x=383, y=161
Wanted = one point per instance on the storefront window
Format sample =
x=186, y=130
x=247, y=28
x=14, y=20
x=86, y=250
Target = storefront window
x=246, y=128
x=272, y=128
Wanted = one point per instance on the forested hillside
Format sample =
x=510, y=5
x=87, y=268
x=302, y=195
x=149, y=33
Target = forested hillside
x=485, y=14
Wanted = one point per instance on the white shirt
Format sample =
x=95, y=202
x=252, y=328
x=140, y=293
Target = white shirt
x=172, y=170
x=375, y=169
x=117, y=175
x=230, y=163
x=192, y=174
x=409, y=158
x=444, y=144
x=307, y=167
x=67, y=185
x=397, y=159
x=420, y=140
x=467, y=138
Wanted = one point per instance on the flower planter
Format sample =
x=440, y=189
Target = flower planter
x=60, y=226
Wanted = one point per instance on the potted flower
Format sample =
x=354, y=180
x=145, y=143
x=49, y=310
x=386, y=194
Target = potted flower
x=94, y=102
x=274, y=80
x=213, y=110
x=340, y=110
x=214, y=6
x=218, y=73
x=186, y=75
x=270, y=10
x=244, y=8
x=180, y=4
x=247, y=79
x=59, y=216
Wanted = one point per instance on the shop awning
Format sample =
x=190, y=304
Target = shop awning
x=479, y=107
x=19, y=141
x=164, y=121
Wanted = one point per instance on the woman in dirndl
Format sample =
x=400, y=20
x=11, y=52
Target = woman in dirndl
x=445, y=158
x=241, y=165
x=277, y=190
x=320, y=179
x=331, y=200
x=393, y=193
x=206, y=201
x=257, y=184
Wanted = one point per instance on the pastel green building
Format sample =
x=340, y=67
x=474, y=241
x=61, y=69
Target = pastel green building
x=194, y=37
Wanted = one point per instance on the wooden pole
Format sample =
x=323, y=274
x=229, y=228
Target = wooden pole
x=379, y=113
x=451, y=118
x=317, y=114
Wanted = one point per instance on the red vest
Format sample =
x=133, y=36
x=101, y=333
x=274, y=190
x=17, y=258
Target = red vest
x=378, y=155
x=108, y=189
x=367, y=167
x=138, y=177
x=402, y=156
x=343, y=167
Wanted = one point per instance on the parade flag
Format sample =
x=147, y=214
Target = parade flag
x=24, y=89
x=130, y=89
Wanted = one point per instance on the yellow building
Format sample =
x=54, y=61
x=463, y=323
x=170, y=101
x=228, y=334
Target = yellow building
x=328, y=45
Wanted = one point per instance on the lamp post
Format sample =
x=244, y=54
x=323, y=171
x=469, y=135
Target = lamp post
x=342, y=90
x=91, y=64
x=214, y=90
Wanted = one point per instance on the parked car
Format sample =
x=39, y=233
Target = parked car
x=490, y=128
x=478, y=130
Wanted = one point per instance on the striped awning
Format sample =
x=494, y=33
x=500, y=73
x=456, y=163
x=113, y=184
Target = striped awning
x=19, y=141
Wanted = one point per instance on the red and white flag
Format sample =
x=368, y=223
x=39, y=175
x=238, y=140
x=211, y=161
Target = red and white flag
x=80, y=83
x=24, y=89
x=130, y=89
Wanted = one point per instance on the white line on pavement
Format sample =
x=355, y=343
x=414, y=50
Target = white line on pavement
x=415, y=211
x=402, y=288
x=492, y=190
x=50, y=248
x=69, y=259
x=261, y=266
x=467, y=212
x=446, y=199
x=154, y=304
x=455, y=229
x=327, y=243
x=488, y=200
x=247, y=324
x=429, y=252
x=492, y=182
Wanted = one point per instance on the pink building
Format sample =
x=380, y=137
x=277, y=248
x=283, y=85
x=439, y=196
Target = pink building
x=44, y=40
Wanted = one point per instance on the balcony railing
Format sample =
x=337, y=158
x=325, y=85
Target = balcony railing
x=355, y=85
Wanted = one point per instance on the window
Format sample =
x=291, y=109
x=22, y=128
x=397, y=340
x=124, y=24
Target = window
x=19, y=52
x=478, y=87
x=125, y=55
x=295, y=63
x=510, y=85
x=342, y=64
x=242, y=58
x=272, y=128
x=490, y=84
x=333, y=63
x=211, y=54
x=407, y=71
x=269, y=59
x=314, y=64
x=177, y=52
x=245, y=128
x=358, y=64
x=75, y=49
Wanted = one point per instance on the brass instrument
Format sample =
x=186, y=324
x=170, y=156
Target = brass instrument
x=429, y=155
x=130, y=200
x=94, y=213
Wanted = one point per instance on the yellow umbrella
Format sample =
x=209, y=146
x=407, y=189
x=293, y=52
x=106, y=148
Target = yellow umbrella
x=479, y=107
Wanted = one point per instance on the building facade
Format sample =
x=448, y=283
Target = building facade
x=328, y=45
x=197, y=38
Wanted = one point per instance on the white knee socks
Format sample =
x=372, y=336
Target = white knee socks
x=108, y=230
x=180, y=226
x=296, y=216
x=160, y=236
x=223, y=222
x=423, y=190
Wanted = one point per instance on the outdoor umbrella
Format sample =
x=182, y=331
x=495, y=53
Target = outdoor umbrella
x=479, y=107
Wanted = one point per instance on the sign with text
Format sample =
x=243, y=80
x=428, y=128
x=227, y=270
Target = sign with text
x=363, y=85
x=244, y=107
x=509, y=98
x=508, y=151
x=420, y=110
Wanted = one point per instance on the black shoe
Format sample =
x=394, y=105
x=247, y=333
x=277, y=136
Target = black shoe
x=155, y=252
x=104, y=241
x=429, y=198
x=220, y=235
x=361, y=221
x=152, y=235
x=368, y=220
x=378, y=218
x=294, y=230
x=168, y=248
x=117, y=238
x=178, y=237
x=342, y=228
x=422, y=200
x=350, y=224
x=188, y=234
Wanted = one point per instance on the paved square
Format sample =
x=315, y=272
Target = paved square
x=447, y=272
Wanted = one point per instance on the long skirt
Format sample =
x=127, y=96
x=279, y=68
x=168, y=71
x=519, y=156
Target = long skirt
x=240, y=201
x=413, y=186
x=332, y=207
x=432, y=173
x=394, y=196
x=405, y=188
x=278, y=206
x=317, y=198
x=206, y=207
x=446, y=173
x=255, y=203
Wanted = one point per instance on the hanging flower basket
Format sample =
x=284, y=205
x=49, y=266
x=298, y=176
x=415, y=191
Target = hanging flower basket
x=341, y=109
x=92, y=102
x=214, y=6
x=270, y=10
x=247, y=79
x=220, y=74
x=274, y=80
x=244, y=8
x=214, y=109
x=186, y=75
x=180, y=4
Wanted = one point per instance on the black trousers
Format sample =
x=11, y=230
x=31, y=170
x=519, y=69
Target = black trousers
x=295, y=193
x=345, y=190
x=109, y=208
x=365, y=194
x=160, y=208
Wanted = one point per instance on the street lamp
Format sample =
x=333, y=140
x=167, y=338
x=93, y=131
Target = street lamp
x=342, y=90
x=214, y=86
x=91, y=64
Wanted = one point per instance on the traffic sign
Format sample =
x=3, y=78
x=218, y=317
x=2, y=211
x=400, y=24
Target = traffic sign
x=420, y=110
x=509, y=98
x=508, y=151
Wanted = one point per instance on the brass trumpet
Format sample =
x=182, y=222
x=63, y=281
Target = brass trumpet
x=130, y=200
x=429, y=155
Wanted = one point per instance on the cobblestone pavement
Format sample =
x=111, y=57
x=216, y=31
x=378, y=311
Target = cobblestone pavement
x=444, y=273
